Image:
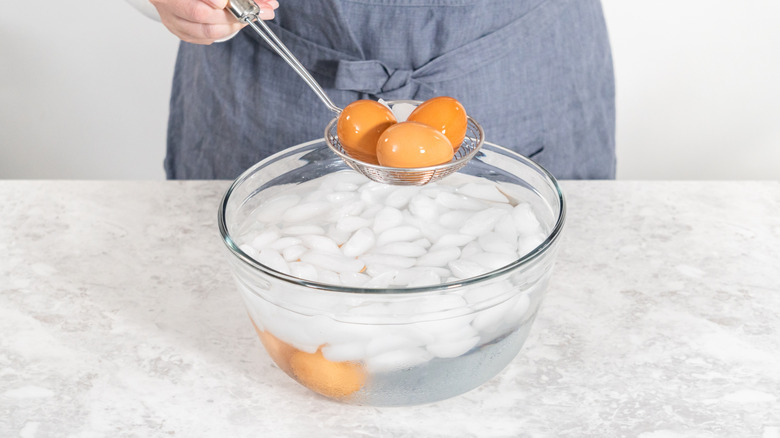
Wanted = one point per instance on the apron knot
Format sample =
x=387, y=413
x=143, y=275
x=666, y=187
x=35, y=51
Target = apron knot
x=373, y=77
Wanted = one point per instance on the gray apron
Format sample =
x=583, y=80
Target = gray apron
x=537, y=74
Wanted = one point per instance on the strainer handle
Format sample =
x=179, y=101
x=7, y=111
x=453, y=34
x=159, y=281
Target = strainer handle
x=248, y=12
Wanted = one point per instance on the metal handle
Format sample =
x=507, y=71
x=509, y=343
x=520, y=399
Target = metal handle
x=244, y=10
x=248, y=12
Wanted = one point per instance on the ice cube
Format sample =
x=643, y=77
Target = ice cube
x=304, y=271
x=371, y=211
x=441, y=303
x=321, y=243
x=452, y=348
x=273, y=260
x=339, y=237
x=432, y=190
x=442, y=330
x=345, y=187
x=328, y=277
x=471, y=249
x=293, y=253
x=353, y=279
x=390, y=342
x=427, y=278
x=429, y=229
x=424, y=207
x=298, y=230
x=263, y=239
x=494, y=242
x=489, y=319
x=273, y=208
x=527, y=243
x=347, y=209
x=284, y=242
x=425, y=243
x=405, y=276
x=481, y=222
x=360, y=242
x=525, y=219
x=306, y=211
x=452, y=239
x=316, y=195
x=506, y=228
x=388, y=260
x=397, y=360
x=403, y=233
x=341, y=197
x=249, y=250
x=333, y=262
x=400, y=197
x=352, y=223
x=493, y=260
x=518, y=311
x=291, y=328
x=374, y=192
x=344, y=176
x=464, y=269
x=375, y=270
x=387, y=218
x=380, y=281
x=439, y=257
x=455, y=201
x=402, y=110
x=404, y=249
x=454, y=219
x=484, y=191
x=490, y=294
x=351, y=351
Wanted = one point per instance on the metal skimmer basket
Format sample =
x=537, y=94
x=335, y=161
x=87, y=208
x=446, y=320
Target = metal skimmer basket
x=417, y=176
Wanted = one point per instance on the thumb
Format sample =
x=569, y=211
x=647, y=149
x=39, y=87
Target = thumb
x=216, y=4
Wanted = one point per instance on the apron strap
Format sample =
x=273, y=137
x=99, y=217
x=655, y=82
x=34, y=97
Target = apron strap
x=373, y=77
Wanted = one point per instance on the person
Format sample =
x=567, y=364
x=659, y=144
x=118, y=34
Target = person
x=536, y=74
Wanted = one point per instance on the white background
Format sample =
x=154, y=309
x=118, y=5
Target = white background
x=84, y=89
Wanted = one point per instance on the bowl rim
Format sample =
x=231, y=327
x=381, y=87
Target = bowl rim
x=540, y=249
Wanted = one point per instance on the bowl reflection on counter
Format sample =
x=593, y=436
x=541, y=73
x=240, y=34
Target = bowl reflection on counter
x=463, y=333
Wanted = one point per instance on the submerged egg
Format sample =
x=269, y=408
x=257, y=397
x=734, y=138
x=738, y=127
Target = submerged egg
x=359, y=126
x=446, y=115
x=331, y=379
x=279, y=351
x=412, y=144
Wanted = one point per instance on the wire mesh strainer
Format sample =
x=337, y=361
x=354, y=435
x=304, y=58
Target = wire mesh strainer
x=417, y=176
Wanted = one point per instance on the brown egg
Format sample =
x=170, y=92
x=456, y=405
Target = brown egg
x=413, y=144
x=331, y=379
x=445, y=114
x=279, y=351
x=359, y=126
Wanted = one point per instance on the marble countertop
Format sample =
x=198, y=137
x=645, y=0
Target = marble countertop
x=119, y=317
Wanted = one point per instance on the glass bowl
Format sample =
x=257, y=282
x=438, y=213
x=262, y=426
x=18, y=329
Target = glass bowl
x=392, y=346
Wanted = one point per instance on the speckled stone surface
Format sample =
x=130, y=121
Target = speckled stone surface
x=118, y=317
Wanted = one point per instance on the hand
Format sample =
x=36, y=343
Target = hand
x=204, y=21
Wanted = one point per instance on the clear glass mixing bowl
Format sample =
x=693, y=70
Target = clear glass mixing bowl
x=392, y=347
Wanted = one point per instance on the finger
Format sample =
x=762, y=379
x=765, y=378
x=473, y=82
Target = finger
x=266, y=14
x=194, y=11
x=216, y=4
x=222, y=4
x=201, y=33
